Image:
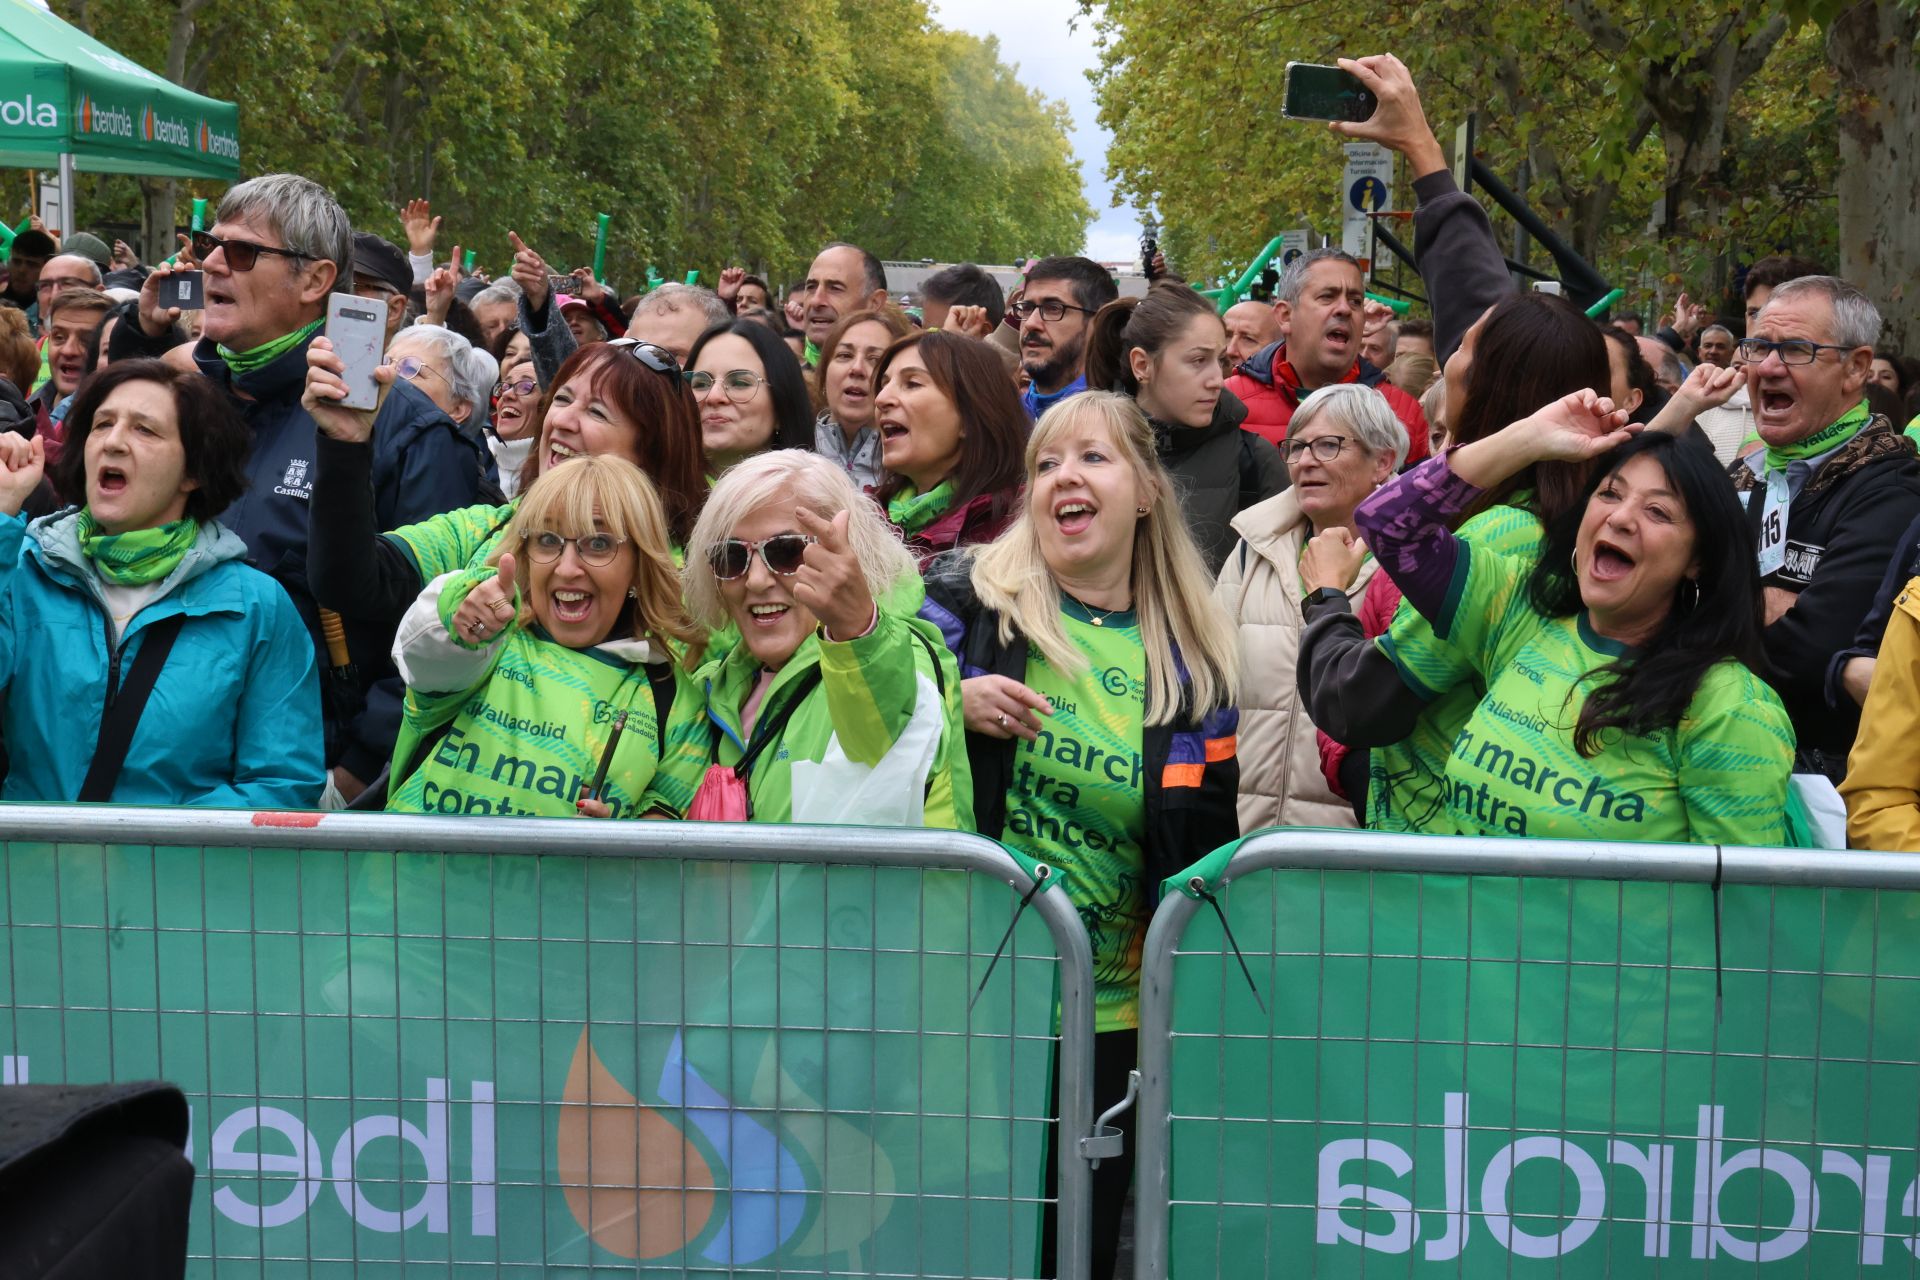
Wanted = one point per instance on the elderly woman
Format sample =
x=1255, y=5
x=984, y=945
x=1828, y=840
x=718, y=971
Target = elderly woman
x=453, y=373
x=136, y=619
x=1343, y=443
x=834, y=705
x=843, y=385
x=951, y=435
x=1099, y=703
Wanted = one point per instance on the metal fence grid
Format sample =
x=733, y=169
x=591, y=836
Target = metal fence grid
x=1486, y=1058
x=435, y=1047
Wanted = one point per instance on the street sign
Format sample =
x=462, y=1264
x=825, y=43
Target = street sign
x=1365, y=188
x=1294, y=244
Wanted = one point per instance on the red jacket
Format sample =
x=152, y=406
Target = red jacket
x=1270, y=389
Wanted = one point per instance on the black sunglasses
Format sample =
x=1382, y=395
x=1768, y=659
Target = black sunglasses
x=658, y=359
x=241, y=254
x=782, y=553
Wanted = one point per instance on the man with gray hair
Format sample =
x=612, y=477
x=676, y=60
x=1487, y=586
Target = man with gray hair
x=674, y=315
x=1830, y=495
x=1716, y=345
x=278, y=246
x=1321, y=303
x=496, y=308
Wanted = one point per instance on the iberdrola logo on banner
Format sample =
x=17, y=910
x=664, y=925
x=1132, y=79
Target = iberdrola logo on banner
x=96, y=117
x=155, y=127
x=214, y=143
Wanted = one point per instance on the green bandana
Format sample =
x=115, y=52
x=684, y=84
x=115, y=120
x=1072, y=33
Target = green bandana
x=244, y=362
x=138, y=556
x=911, y=512
x=1778, y=456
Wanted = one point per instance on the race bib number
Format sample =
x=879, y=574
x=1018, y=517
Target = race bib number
x=1773, y=524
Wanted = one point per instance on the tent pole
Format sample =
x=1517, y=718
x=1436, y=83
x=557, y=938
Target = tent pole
x=67, y=212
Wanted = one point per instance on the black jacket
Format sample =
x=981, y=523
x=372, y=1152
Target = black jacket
x=1192, y=774
x=1842, y=529
x=1220, y=470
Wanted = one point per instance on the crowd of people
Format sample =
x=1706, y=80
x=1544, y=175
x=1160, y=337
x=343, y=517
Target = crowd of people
x=1113, y=580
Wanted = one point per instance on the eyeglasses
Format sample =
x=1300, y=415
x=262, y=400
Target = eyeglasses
x=411, y=367
x=524, y=387
x=1050, y=309
x=51, y=284
x=1793, y=351
x=241, y=254
x=740, y=385
x=596, y=549
x=1325, y=448
x=658, y=359
x=782, y=554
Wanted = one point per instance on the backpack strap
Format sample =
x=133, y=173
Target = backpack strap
x=121, y=715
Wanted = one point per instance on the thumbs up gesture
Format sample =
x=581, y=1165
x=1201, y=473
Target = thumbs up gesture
x=489, y=608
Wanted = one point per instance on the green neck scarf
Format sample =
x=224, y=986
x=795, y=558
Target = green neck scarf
x=1778, y=456
x=138, y=556
x=911, y=512
x=245, y=362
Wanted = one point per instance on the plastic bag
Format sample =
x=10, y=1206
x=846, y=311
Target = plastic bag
x=891, y=793
x=722, y=796
x=1816, y=815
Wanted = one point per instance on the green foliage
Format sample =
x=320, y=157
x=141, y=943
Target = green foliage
x=713, y=131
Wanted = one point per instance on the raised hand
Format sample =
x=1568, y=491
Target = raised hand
x=830, y=581
x=1374, y=317
x=155, y=319
x=1576, y=427
x=1709, y=386
x=22, y=463
x=326, y=387
x=489, y=608
x=731, y=278
x=1001, y=707
x=974, y=322
x=439, y=289
x=124, y=256
x=530, y=273
x=1332, y=558
x=589, y=288
x=421, y=226
x=1398, y=122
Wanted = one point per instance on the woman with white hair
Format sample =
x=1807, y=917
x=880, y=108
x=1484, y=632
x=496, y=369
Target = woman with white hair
x=452, y=372
x=1343, y=443
x=834, y=705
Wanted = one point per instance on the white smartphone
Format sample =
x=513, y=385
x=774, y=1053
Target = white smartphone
x=358, y=330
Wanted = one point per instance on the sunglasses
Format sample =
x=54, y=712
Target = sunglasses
x=782, y=554
x=658, y=359
x=740, y=385
x=596, y=549
x=241, y=254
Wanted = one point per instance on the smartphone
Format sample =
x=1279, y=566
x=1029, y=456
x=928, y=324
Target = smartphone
x=185, y=290
x=358, y=331
x=1315, y=92
x=568, y=285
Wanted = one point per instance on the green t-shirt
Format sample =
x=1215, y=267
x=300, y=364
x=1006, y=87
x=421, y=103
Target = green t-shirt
x=1406, y=781
x=1078, y=799
x=1718, y=777
x=454, y=540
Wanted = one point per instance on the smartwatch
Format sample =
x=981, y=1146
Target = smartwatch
x=1320, y=595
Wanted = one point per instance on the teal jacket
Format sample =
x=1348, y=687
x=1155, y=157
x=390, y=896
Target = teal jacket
x=234, y=719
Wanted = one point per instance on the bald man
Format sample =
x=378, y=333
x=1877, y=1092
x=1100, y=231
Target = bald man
x=1250, y=326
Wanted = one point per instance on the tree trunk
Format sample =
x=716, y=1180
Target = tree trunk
x=1871, y=46
x=159, y=206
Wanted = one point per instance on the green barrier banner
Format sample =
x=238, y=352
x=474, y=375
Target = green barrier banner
x=1493, y=1077
x=530, y=1064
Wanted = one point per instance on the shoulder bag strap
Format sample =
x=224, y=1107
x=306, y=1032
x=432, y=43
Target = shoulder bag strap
x=121, y=716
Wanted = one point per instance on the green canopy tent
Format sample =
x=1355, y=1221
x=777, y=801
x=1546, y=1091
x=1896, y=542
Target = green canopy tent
x=69, y=102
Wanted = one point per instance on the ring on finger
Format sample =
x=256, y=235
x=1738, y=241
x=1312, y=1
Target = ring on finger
x=1002, y=719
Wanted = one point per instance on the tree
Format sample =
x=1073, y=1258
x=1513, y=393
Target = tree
x=1872, y=47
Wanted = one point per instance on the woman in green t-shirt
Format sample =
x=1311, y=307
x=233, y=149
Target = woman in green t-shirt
x=1100, y=681
x=1622, y=700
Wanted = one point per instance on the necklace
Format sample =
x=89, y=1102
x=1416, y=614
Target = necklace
x=1097, y=619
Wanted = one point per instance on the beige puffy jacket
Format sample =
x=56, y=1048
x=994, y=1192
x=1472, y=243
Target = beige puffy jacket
x=1280, y=779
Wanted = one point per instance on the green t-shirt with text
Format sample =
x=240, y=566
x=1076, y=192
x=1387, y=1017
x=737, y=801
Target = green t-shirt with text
x=1078, y=799
x=1406, y=787
x=1718, y=777
x=454, y=540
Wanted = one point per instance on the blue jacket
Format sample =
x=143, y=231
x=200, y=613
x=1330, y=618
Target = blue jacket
x=423, y=464
x=234, y=719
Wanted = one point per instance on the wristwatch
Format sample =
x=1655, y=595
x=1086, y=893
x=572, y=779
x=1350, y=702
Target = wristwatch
x=1320, y=595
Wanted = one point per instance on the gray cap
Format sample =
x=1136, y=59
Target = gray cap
x=90, y=247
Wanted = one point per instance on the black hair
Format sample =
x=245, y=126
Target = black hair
x=1640, y=374
x=965, y=285
x=212, y=434
x=792, y=406
x=1776, y=270
x=460, y=320
x=1093, y=286
x=870, y=265
x=123, y=312
x=1720, y=620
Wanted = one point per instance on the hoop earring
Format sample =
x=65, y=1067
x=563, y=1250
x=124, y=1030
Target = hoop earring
x=1690, y=599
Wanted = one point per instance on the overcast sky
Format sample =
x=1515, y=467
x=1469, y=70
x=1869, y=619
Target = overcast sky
x=1052, y=45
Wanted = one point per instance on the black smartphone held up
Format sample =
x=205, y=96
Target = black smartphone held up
x=185, y=290
x=1315, y=92
x=1149, y=250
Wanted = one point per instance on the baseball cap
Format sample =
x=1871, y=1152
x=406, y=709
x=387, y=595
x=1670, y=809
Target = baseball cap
x=380, y=260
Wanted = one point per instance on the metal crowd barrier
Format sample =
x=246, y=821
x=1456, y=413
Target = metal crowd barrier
x=437, y=1047
x=1530, y=1058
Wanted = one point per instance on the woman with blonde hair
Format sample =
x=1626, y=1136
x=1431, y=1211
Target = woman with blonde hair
x=540, y=681
x=1101, y=680
x=836, y=704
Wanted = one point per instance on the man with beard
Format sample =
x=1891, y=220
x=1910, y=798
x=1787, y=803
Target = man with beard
x=1055, y=311
x=1322, y=303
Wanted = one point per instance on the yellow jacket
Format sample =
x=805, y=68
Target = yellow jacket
x=1882, y=789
